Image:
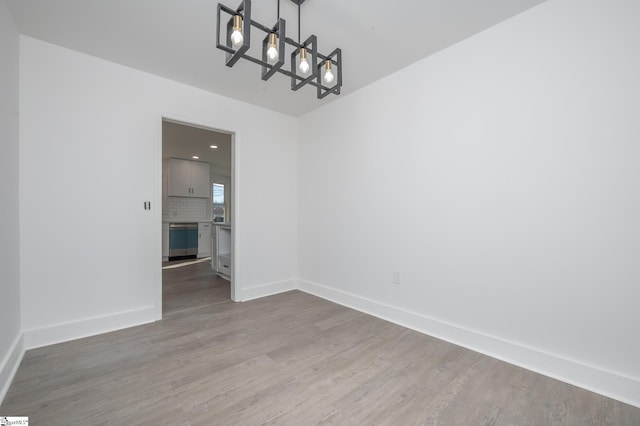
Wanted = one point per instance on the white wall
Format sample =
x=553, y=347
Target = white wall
x=11, y=346
x=501, y=178
x=90, y=253
x=10, y=336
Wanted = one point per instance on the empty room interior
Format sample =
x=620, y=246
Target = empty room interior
x=304, y=212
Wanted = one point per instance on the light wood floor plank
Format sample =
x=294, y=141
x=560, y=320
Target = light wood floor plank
x=288, y=359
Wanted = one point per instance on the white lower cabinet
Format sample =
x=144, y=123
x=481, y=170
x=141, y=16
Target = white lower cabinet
x=204, y=239
x=214, y=248
x=165, y=242
x=224, y=266
x=221, y=251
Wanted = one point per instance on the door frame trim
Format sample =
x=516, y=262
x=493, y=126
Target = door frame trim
x=236, y=295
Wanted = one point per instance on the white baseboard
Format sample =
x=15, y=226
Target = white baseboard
x=614, y=385
x=268, y=289
x=10, y=364
x=58, y=333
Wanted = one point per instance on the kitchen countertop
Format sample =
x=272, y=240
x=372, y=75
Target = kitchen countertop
x=195, y=221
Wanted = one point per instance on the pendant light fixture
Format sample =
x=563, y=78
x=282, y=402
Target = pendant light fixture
x=328, y=74
x=307, y=65
x=236, y=35
x=272, y=51
x=304, y=65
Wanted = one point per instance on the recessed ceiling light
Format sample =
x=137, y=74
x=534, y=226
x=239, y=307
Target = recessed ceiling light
x=213, y=146
x=195, y=157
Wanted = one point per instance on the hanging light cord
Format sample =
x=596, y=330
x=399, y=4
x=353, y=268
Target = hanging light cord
x=298, y=23
x=278, y=11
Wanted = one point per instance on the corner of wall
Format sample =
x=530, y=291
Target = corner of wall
x=622, y=388
x=10, y=364
x=11, y=338
x=268, y=289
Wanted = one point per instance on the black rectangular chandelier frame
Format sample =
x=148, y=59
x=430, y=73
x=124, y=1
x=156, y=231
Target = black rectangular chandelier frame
x=317, y=60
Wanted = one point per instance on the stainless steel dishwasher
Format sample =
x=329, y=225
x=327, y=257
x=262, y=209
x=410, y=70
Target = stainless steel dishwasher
x=183, y=240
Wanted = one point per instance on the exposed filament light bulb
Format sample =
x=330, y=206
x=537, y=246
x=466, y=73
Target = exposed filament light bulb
x=303, y=66
x=236, y=35
x=272, y=51
x=328, y=74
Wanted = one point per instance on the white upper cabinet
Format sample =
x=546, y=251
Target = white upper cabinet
x=179, y=178
x=189, y=179
x=200, y=179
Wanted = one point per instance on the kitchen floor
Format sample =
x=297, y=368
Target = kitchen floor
x=192, y=286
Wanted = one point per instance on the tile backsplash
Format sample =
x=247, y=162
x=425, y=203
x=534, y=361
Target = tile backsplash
x=186, y=209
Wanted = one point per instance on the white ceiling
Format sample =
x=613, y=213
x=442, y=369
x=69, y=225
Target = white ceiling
x=177, y=38
x=185, y=141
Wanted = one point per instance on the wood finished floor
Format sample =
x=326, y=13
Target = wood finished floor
x=290, y=359
x=192, y=286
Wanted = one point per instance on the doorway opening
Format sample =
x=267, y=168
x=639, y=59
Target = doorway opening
x=197, y=216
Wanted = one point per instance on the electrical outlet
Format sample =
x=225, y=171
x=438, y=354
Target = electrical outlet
x=396, y=277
